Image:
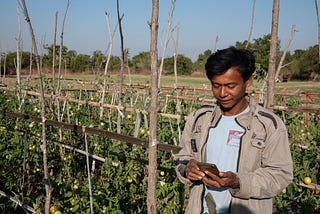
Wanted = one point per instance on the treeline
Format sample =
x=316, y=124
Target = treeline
x=298, y=65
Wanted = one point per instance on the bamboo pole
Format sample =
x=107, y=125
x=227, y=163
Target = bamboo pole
x=273, y=53
x=88, y=171
x=252, y=21
x=54, y=48
x=30, y=64
x=293, y=30
x=277, y=72
x=18, y=66
x=43, y=115
x=121, y=68
x=58, y=89
x=175, y=58
x=178, y=100
x=4, y=66
x=166, y=41
x=105, y=75
x=152, y=148
x=122, y=51
x=61, y=46
x=25, y=207
x=126, y=53
x=215, y=44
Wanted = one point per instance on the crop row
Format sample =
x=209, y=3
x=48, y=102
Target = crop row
x=118, y=181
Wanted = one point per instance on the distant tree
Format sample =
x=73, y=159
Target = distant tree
x=70, y=55
x=286, y=70
x=67, y=56
x=260, y=48
x=201, y=61
x=47, y=58
x=141, y=62
x=80, y=63
x=12, y=59
x=302, y=64
x=98, y=60
x=184, y=65
x=293, y=67
x=305, y=64
x=115, y=63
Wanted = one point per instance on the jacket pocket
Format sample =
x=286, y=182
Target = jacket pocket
x=258, y=140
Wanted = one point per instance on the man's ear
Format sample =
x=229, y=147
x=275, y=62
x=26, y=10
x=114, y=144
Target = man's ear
x=249, y=82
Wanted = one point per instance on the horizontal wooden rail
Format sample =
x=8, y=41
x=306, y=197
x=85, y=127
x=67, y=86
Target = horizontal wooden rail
x=313, y=186
x=98, y=104
x=83, y=129
x=300, y=109
x=142, y=111
x=124, y=138
x=163, y=88
x=19, y=203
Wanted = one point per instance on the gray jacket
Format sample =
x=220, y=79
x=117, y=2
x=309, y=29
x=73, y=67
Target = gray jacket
x=264, y=163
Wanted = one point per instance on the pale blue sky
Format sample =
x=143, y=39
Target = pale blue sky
x=200, y=22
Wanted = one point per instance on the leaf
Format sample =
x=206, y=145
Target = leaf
x=75, y=208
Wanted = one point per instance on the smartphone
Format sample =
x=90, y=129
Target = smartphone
x=209, y=167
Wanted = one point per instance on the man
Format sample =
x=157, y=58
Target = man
x=248, y=144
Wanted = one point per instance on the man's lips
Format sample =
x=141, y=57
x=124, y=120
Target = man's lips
x=224, y=101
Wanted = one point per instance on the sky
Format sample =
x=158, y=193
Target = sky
x=198, y=23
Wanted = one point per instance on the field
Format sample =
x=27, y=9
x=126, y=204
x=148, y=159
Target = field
x=97, y=155
x=199, y=80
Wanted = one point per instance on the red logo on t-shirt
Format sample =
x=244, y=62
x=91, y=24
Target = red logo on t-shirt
x=234, y=137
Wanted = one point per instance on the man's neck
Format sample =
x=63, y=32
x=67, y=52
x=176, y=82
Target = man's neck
x=235, y=109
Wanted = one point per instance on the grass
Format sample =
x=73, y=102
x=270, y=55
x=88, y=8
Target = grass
x=199, y=81
x=295, y=86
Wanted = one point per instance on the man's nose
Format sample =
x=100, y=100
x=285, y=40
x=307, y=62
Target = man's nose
x=223, y=92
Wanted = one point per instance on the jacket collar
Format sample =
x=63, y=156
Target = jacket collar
x=242, y=119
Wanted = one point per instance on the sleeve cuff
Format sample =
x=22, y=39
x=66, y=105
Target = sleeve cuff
x=181, y=174
x=244, y=190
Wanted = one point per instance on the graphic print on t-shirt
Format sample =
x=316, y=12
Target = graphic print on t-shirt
x=222, y=149
x=234, y=137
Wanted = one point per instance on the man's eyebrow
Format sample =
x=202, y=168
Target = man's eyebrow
x=230, y=83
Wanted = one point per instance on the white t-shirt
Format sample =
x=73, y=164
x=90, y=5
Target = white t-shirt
x=223, y=150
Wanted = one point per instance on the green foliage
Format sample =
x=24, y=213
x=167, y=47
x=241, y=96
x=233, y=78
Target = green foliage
x=141, y=62
x=259, y=74
x=260, y=48
x=184, y=65
x=306, y=64
x=305, y=153
x=119, y=184
x=80, y=63
x=11, y=61
x=98, y=60
x=301, y=65
x=115, y=63
x=66, y=56
x=199, y=64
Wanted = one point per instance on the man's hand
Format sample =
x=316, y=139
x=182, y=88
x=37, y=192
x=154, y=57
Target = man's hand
x=193, y=171
x=225, y=179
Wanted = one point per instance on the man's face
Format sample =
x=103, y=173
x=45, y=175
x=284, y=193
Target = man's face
x=229, y=89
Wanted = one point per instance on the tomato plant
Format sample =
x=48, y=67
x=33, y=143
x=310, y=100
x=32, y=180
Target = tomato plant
x=119, y=182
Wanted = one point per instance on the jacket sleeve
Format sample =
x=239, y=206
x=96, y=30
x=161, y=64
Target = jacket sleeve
x=275, y=171
x=185, y=154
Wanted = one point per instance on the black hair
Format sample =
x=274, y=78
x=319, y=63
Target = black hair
x=222, y=60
